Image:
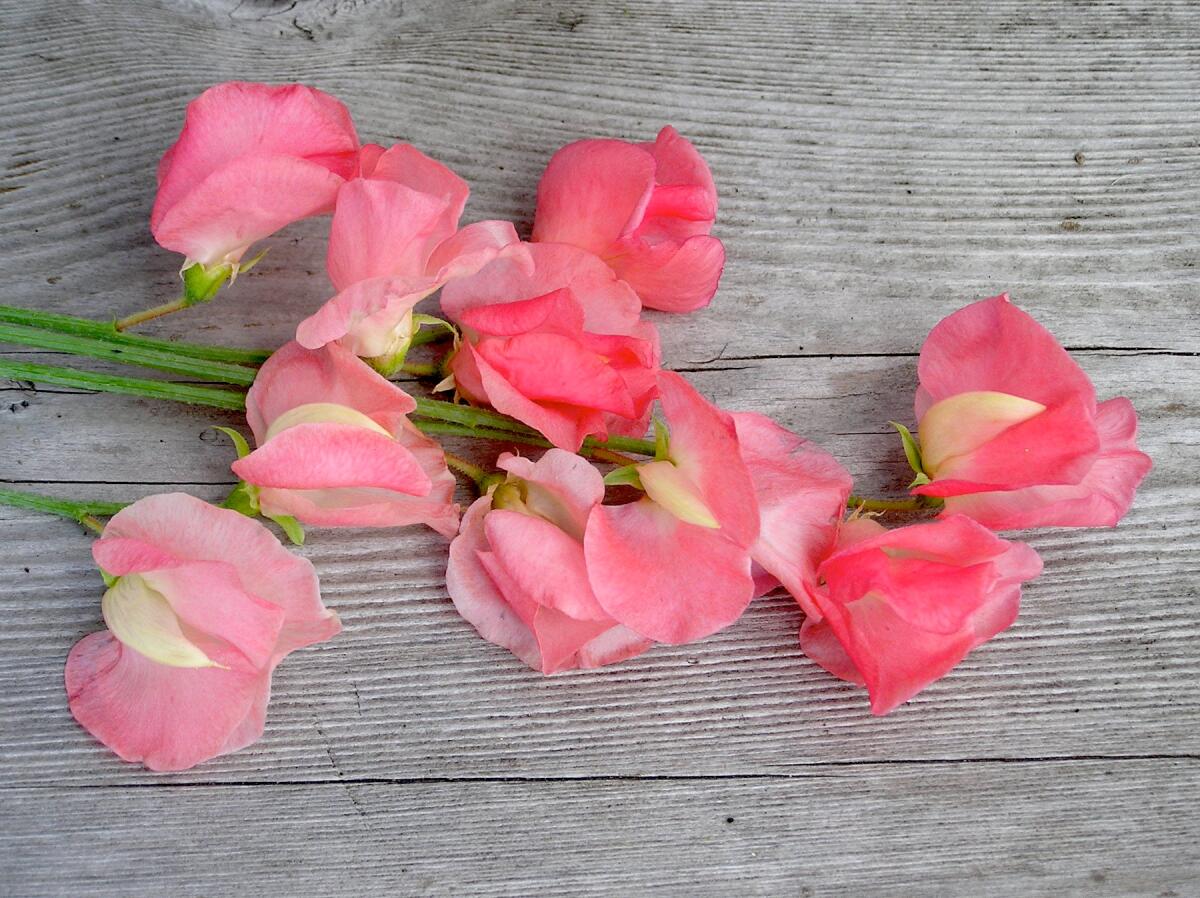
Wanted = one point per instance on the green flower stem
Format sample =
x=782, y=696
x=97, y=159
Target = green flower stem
x=489, y=420
x=83, y=512
x=162, y=360
x=476, y=473
x=913, y=503
x=422, y=369
x=104, y=330
x=129, y=386
x=175, y=305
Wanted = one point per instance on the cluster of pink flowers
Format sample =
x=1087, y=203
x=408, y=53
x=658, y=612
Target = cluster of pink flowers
x=560, y=564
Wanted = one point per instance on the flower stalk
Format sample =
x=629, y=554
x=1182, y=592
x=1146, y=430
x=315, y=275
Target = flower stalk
x=83, y=512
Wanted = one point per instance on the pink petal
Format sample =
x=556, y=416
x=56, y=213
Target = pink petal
x=178, y=526
x=405, y=164
x=381, y=228
x=295, y=376
x=562, y=486
x=993, y=345
x=232, y=627
x=1058, y=446
x=365, y=315
x=236, y=120
x=330, y=456
x=543, y=562
x=470, y=248
x=672, y=277
x=513, y=318
x=704, y=444
x=476, y=596
x=666, y=580
x=801, y=492
x=550, y=368
x=614, y=645
x=1100, y=499
x=528, y=270
x=168, y=718
x=242, y=202
x=563, y=425
x=592, y=192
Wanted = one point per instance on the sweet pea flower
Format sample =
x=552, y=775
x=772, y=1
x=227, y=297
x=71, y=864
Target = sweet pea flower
x=203, y=603
x=1010, y=431
x=251, y=158
x=335, y=448
x=900, y=608
x=553, y=338
x=801, y=492
x=675, y=565
x=394, y=241
x=645, y=208
x=517, y=571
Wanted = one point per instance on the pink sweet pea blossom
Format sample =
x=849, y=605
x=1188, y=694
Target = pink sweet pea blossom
x=335, y=448
x=205, y=604
x=517, y=571
x=675, y=565
x=899, y=608
x=1010, y=430
x=394, y=241
x=251, y=159
x=646, y=209
x=553, y=338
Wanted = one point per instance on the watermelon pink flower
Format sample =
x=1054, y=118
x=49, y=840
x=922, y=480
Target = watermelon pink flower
x=517, y=571
x=251, y=158
x=1010, y=430
x=335, y=447
x=646, y=209
x=203, y=604
x=394, y=241
x=551, y=337
x=897, y=609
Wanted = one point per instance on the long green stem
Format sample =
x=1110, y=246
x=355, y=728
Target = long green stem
x=83, y=512
x=159, y=359
x=175, y=305
x=463, y=466
x=104, y=330
x=129, y=386
x=913, y=503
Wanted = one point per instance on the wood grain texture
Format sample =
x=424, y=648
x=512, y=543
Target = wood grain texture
x=862, y=831
x=879, y=165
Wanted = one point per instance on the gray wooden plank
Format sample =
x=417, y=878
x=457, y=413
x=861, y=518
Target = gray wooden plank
x=879, y=165
x=1062, y=829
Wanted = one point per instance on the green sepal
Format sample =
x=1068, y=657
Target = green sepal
x=290, y=526
x=389, y=364
x=912, y=450
x=109, y=580
x=243, y=499
x=420, y=320
x=243, y=267
x=662, y=440
x=201, y=283
x=239, y=441
x=920, y=480
x=626, y=476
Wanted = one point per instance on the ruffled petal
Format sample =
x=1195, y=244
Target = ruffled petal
x=243, y=202
x=801, y=492
x=1100, y=499
x=295, y=376
x=168, y=718
x=993, y=345
x=666, y=580
x=592, y=192
x=704, y=445
x=670, y=276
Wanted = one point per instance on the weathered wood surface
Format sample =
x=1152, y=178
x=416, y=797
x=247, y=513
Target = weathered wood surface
x=878, y=166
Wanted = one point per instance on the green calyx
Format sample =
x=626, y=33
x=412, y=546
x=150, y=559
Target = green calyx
x=244, y=497
x=202, y=282
x=912, y=451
